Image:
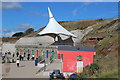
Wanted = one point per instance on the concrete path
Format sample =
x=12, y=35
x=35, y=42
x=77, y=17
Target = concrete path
x=27, y=69
x=56, y=64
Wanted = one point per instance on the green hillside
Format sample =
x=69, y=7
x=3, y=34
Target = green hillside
x=106, y=49
x=71, y=25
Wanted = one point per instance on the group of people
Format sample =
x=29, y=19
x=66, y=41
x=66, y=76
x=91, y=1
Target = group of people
x=23, y=54
x=10, y=57
x=5, y=57
x=26, y=55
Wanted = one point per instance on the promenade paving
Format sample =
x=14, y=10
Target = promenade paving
x=28, y=69
x=56, y=64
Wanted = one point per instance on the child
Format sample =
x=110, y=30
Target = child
x=17, y=62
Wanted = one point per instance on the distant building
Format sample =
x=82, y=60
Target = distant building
x=75, y=58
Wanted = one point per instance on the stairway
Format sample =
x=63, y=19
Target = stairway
x=56, y=64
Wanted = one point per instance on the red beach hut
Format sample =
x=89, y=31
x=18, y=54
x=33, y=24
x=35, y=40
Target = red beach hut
x=75, y=58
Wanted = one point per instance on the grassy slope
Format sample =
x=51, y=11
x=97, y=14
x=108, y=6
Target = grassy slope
x=106, y=50
x=108, y=60
x=11, y=40
x=35, y=33
x=71, y=25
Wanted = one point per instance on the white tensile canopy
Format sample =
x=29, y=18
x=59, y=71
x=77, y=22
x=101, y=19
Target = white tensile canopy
x=54, y=27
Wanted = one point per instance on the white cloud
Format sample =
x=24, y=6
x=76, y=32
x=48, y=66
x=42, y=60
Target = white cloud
x=6, y=31
x=23, y=27
x=36, y=13
x=83, y=6
x=8, y=34
x=74, y=12
x=11, y=5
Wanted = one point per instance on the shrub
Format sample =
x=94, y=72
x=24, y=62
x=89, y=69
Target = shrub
x=94, y=67
x=89, y=70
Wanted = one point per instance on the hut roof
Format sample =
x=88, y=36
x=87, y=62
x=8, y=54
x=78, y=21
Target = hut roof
x=34, y=41
x=71, y=48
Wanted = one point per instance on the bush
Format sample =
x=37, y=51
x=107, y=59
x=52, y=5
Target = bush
x=94, y=67
x=19, y=34
x=82, y=75
x=89, y=70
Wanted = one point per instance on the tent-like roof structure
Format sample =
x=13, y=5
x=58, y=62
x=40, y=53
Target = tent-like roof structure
x=54, y=27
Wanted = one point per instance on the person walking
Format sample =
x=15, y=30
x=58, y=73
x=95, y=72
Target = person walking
x=28, y=58
x=28, y=55
x=33, y=54
x=36, y=61
x=13, y=58
x=5, y=53
x=9, y=52
x=22, y=56
x=13, y=55
x=17, y=54
x=24, y=52
x=17, y=62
